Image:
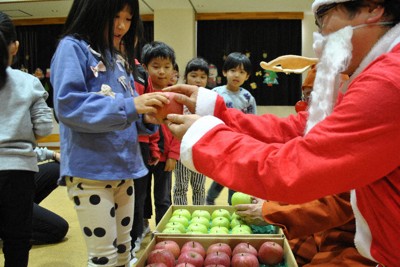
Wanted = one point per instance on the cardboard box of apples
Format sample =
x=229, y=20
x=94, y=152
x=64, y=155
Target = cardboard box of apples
x=228, y=251
x=206, y=220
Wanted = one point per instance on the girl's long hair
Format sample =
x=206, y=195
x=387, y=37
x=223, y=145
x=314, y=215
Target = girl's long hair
x=93, y=21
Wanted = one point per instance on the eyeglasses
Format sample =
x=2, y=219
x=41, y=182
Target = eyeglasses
x=322, y=11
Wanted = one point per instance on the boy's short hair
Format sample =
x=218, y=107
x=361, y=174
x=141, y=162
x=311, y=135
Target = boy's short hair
x=157, y=49
x=235, y=60
x=197, y=63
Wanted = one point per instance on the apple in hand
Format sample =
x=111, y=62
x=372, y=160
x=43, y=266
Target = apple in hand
x=270, y=253
x=161, y=255
x=173, y=107
x=240, y=198
x=221, y=213
x=201, y=213
x=194, y=246
x=244, y=260
x=217, y=257
x=169, y=245
x=220, y=221
x=244, y=247
x=221, y=247
x=183, y=212
x=192, y=257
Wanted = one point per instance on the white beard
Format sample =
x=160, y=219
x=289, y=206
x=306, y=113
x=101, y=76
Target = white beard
x=335, y=55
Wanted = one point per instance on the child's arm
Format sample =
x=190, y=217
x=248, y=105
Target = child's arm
x=41, y=114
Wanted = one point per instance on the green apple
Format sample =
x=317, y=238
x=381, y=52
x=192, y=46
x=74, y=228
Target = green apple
x=241, y=230
x=183, y=212
x=197, y=227
x=240, y=198
x=220, y=221
x=201, y=220
x=177, y=225
x=219, y=230
x=221, y=213
x=235, y=216
x=201, y=213
x=172, y=231
x=180, y=219
x=236, y=222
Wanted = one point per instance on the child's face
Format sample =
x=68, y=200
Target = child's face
x=235, y=77
x=174, y=77
x=160, y=71
x=197, y=77
x=122, y=23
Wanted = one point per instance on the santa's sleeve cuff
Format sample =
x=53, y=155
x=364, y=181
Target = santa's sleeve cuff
x=206, y=100
x=193, y=135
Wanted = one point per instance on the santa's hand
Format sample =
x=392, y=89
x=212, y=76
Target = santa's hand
x=179, y=124
x=186, y=95
x=251, y=213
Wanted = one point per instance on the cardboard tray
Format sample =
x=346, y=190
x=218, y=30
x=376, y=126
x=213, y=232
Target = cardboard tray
x=210, y=208
x=206, y=241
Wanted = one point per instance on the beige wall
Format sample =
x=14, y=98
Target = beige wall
x=177, y=28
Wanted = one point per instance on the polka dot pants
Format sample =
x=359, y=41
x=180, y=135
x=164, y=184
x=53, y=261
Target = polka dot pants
x=105, y=214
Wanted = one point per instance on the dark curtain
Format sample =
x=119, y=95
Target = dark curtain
x=37, y=46
x=261, y=40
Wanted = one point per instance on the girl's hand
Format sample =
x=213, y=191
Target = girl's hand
x=150, y=118
x=179, y=124
x=187, y=95
x=147, y=103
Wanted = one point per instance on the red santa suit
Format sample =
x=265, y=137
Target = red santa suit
x=355, y=147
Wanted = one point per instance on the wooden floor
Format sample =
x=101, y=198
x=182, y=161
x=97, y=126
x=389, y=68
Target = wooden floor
x=72, y=251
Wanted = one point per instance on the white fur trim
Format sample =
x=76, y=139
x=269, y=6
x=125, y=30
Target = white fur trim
x=205, y=102
x=195, y=132
x=363, y=237
x=318, y=3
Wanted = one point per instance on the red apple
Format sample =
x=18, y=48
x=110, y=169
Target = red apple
x=244, y=260
x=214, y=265
x=194, y=246
x=217, y=257
x=300, y=106
x=221, y=247
x=158, y=264
x=185, y=264
x=172, y=107
x=244, y=248
x=169, y=245
x=161, y=255
x=270, y=253
x=192, y=257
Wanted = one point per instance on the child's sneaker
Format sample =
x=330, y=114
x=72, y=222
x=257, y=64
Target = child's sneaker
x=133, y=259
x=138, y=243
x=146, y=228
